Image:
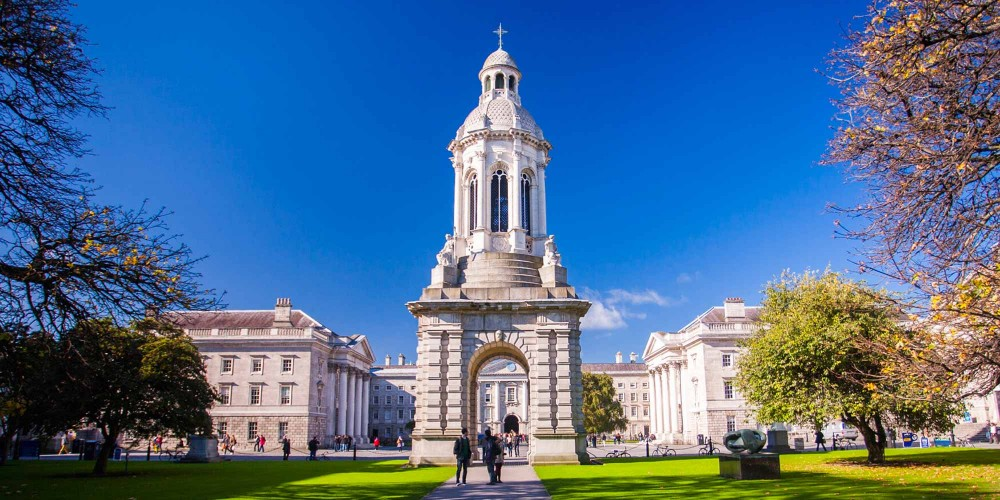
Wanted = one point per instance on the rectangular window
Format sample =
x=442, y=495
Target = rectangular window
x=489, y=413
x=282, y=429
x=635, y=411
x=375, y=400
x=257, y=365
x=645, y=396
x=511, y=394
x=621, y=396
x=227, y=366
x=399, y=415
x=632, y=385
x=388, y=415
x=633, y=397
x=401, y=399
x=251, y=430
x=727, y=360
x=413, y=388
x=645, y=385
x=255, y=394
x=488, y=397
x=226, y=393
x=376, y=387
x=730, y=423
x=645, y=411
x=223, y=428
x=727, y=389
x=488, y=387
x=286, y=365
x=375, y=416
x=621, y=385
x=286, y=394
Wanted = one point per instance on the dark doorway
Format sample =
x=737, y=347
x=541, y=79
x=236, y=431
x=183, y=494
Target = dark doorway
x=511, y=423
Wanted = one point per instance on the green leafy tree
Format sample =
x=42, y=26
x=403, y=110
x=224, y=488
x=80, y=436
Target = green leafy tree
x=26, y=376
x=812, y=361
x=142, y=380
x=601, y=410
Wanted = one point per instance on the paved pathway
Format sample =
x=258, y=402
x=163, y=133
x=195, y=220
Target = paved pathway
x=519, y=481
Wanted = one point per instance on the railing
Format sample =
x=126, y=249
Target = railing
x=250, y=332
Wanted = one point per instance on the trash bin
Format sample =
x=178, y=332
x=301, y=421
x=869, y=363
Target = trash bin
x=800, y=443
x=90, y=449
x=30, y=448
x=117, y=455
x=701, y=439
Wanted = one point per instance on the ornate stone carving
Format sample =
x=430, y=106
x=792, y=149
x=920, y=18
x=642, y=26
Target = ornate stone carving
x=552, y=257
x=529, y=243
x=500, y=243
x=446, y=257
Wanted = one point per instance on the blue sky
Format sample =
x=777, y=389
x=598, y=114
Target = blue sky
x=302, y=148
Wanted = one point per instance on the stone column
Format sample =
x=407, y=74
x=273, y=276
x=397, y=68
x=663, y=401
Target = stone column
x=672, y=384
x=365, y=405
x=524, y=402
x=496, y=404
x=457, y=163
x=358, y=406
x=341, y=400
x=542, y=229
x=679, y=405
x=484, y=182
x=515, y=191
x=662, y=373
x=653, y=424
x=351, y=397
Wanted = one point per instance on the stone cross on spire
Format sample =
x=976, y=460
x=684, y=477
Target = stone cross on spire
x=500, y=32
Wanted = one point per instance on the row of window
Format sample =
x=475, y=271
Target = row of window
x=390, y=387
x=633, y=385
x=388, y=400
x=255, y=396
x=253, y=429
x=257, y=365
x=499, y=79
x=388, y=414
x=633, y=397
x=510, y=395
x=500, y=202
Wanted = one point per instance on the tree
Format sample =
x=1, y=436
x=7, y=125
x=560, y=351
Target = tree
x=64, y=257
x=811, y=361
x=920, y=127
x=601, y=410
x=142, y=380
x=26, y=369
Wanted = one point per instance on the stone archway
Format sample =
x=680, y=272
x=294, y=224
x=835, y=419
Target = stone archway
x=457, y=337
x=512, y=424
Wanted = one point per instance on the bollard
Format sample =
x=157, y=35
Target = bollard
x=148, y=449
x=647, y=448
x=355, y=452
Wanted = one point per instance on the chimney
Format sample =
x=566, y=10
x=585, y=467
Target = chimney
x=735, y=309
x=632, y=357
x=402, y=359
x=283, y=313
x=388, y=360
x=618, y=357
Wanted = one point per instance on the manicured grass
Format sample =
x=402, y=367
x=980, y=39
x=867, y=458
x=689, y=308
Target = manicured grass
x=932, y=473
x=259, y=479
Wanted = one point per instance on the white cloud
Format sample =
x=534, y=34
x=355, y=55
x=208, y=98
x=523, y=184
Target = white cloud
x=684, y=278
x=601, y=317
x=619, y=296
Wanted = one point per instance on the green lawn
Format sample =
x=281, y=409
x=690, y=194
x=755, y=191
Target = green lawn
x=937, y=473
x=259, y=479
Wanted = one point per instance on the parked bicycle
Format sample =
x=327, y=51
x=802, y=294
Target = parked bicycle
x=664, y=451
x=171, y=455
x=618, y=454
x=709, y=449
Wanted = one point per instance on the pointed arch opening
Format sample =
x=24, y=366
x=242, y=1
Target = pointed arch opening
x=473, y=198
x=512, y=83
x=499, y=202
x=526, y=202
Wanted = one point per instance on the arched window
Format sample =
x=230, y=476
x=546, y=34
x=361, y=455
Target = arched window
x=473, y=198
x=498, y=202
x=526, y=202
x=511, y=83
x=499, y=79
x=488, y=83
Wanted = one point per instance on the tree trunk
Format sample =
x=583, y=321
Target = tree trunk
x=874, y=438
x=107, y=448
x=4, y=448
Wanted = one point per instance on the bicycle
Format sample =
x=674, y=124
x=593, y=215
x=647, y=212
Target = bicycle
x=664, y=451
x=618, y=454
x=709, y=449
x=171, y=455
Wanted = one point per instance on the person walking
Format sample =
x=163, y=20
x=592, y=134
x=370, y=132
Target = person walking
x=498, y=463
x=994, y=437
x=399, y=443
x=517, y=445
x=263, y=441
x=376, y=443
x=463, y=454
x=490, y=455
x=820, y=441
x=313, y=446
x=286, y=448
x=62, y=445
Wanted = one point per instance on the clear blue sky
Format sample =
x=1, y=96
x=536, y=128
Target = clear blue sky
x=302, y=148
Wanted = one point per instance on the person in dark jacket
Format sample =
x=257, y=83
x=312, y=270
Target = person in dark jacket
x=313, y=446
x=820, y=440
x=286, y=448
x=463, y=454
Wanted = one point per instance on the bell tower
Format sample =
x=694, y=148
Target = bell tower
x=499, y=288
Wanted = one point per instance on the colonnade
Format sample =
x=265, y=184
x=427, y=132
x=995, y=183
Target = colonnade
x=666, y=396
x=353, y=398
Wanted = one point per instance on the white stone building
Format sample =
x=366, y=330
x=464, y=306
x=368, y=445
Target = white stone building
x=281, y=373
x=631, y=382
x=503, y=396
x=393, y=400
x=691, y=374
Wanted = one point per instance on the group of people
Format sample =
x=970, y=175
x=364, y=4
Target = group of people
x=258, y=444
x=494, y=448
x=342, y=442
x=227, y=444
